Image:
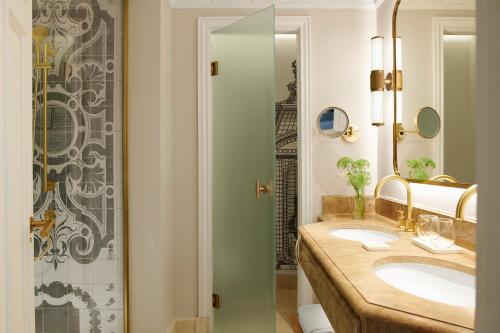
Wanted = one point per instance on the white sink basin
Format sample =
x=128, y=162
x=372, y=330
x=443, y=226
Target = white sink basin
x=434, y=283
x=364, y=235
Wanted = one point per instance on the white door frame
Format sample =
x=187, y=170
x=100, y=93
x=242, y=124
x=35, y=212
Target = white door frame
x=207, y=25
x=17, y=306
x=441, y=26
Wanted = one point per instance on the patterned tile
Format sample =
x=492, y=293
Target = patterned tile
x=84, y=109
x=286, y=181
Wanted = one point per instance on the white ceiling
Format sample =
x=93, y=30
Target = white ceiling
x=416, y=4
x=413, y=4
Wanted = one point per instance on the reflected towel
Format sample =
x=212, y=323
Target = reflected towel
x=313, y=319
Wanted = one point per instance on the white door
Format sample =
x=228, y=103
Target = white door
x=16, y=198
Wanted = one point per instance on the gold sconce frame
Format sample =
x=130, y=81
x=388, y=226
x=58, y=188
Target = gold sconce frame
x=351, y=134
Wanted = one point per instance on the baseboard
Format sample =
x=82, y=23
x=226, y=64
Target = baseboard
x=171, y=327
x=188, y=325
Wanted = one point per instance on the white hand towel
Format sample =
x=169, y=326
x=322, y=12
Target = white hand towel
x=313, y=319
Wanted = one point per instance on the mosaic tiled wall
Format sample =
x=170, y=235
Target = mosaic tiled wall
x=286, y=177
x=79, y=281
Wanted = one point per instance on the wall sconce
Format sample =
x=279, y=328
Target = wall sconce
x=379, y=82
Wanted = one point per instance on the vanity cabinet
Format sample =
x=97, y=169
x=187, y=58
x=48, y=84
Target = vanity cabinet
x=339, y=312
x=340, y=275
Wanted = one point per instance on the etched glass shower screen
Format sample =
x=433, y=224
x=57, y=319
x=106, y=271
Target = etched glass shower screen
x=79, y=281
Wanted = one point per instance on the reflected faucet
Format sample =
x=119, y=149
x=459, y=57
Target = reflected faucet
x=409, y=224
x=460, y=212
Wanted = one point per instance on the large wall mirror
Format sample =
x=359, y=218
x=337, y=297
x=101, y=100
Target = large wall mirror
x=439, y=70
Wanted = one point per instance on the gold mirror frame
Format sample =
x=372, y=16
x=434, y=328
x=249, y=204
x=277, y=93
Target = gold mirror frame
x=440, y=180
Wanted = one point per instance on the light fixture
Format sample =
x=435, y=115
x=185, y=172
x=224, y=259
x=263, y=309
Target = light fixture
x=379, y=82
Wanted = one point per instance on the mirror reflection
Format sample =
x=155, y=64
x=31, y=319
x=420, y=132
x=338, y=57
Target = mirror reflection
x=428, y=123
x=438, y=57
x=333, y=122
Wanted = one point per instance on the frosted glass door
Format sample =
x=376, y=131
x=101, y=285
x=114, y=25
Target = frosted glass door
x=243, y=153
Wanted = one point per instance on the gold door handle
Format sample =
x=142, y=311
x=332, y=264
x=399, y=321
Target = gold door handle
x=262, y=189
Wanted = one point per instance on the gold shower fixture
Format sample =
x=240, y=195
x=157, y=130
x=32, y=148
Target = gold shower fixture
x=42, y=65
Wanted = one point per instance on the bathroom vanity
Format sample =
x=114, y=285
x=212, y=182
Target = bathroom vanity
x=348, y=281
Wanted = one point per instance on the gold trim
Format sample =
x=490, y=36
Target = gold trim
x=439, y=183
x=459, y=214
x=377, y=80
x=446, y=178
x=351, y=134
x=126, y=275
x=395, y=98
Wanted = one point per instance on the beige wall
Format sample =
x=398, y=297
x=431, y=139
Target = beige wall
x=151, y=165
x=488, y=286
x=340, y=64
x=416, y=31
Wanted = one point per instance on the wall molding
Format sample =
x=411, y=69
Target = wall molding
x=207, y=25
x=441, y=26
x=439, y=4
x=327, y=4
x=297, y=4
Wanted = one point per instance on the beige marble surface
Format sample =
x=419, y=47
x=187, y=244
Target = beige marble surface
x=350, y=268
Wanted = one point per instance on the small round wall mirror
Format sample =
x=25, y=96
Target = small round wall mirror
x=428, y=123
x=333, y=122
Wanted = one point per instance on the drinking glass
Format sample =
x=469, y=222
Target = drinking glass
x=444, y=231
x=424, y=226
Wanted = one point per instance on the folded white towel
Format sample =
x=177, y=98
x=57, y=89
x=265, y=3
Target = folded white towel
x=313, y=319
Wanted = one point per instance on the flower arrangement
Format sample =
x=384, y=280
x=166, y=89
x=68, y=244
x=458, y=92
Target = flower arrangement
x=418, y=167
x=357, y=175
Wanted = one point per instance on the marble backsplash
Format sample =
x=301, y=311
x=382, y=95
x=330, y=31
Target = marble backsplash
x=340, y=204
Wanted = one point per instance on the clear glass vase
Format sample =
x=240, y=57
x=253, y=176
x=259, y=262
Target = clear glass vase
x=359, y=207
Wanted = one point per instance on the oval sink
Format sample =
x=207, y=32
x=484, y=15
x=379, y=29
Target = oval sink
x=364, y=235
x=431, y=282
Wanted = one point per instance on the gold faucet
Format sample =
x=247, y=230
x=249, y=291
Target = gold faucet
x=409, y=224
x=460, y=212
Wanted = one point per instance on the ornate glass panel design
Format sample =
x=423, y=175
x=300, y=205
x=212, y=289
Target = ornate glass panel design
x=79, y=280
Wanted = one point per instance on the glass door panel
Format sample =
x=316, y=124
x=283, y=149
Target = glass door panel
x=243, y=153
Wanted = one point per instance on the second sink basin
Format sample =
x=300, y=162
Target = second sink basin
x=432, y=282
x=364, y=235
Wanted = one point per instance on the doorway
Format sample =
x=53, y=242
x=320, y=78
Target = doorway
x=206, y=27
x=286, y=180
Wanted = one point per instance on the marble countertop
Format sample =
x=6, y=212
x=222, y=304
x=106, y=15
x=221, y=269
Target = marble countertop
x=350, y=267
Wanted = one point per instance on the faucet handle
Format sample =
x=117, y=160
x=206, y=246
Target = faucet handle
x=400, y=214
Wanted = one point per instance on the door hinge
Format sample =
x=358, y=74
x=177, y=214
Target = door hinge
x=215, y=301
x=214, y=68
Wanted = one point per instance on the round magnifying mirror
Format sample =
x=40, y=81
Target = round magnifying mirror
x=428, y=123
x=333, y=122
